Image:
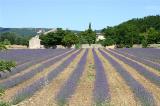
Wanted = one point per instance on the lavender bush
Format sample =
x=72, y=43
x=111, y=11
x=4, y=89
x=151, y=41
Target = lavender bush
x=101, y=89
x=32, y=62
x=24, y=55
x=70, y=85
x=144, y=61
x=141, y=94
x=140, y=69
x=145, y=53
x=19, y=79
x=37, y=85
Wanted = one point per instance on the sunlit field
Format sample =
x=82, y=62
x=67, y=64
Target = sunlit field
x=82, y=77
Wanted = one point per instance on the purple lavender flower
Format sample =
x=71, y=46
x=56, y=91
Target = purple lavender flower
x=145, y=53
x=101, y=89
x=31, y=57
x=139, y=91
x=37, y=85
x=139, y=68
x=19, y=79
x=139, y=59
x=70, y=85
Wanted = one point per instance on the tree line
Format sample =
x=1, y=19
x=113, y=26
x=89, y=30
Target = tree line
x=68, y=38
x=143, y=31
x=10, y=38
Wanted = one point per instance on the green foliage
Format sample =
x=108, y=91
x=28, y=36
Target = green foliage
x=88, y=36
x=133, y=32
x=59, y=37
x=53, y=38
x=2, y=46
x=82, y=38
x=144, y=43
x=69, y=39
x=107, y=42
x=78, y=45
x=12, y=38
x=6, y=65
x=6, y=42
x=4, y=103
x=1, y=91
x=23, y=31
x=152, y=36
x=19, y=98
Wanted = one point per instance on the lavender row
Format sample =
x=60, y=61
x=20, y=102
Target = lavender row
x=101, y=88
x=70, y=85
x=37, y=85
x=24, y=66
x=149, y=63
x=25, y=55
x=146, y=53
x=139, y=68
x=19, y=79
x=141, y=94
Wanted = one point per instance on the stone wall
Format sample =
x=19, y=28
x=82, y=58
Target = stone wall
x=16, y=47
x=150, y=46
x=154, y=45
x=92, y=46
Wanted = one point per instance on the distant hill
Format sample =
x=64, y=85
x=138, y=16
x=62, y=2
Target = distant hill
x=144, y=23
x=28, y=31
x=23, y=31
x=143, y=31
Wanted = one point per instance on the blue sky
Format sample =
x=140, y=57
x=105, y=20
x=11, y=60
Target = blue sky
x=73, y=14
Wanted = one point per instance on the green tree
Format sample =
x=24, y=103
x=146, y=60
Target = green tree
x=2, y=46
x=6, y=42
x=152, y=36
x=144, y=43
x=88, y=36
x=107, y=42
x=9, y=36
x=82, y=38
x=130, y=32
x=14, y=38
x=69, y=39
x=53, y=38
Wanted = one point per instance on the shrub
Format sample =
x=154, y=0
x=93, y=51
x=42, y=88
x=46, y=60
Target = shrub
x=2, y=103
x=1, y=92
x=144, y=43
x=2, y=46
x=6, y=65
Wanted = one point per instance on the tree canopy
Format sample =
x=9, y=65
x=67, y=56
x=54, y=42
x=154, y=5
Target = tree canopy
x=69, y=39
x=135, y=31
x=59, y=37
x=12, y=38
x=88, y=36
x=53, y=38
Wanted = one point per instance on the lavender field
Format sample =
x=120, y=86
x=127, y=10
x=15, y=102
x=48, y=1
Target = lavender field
x=82, y=77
